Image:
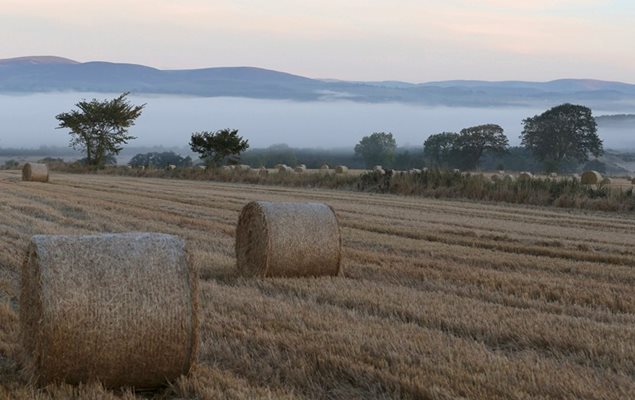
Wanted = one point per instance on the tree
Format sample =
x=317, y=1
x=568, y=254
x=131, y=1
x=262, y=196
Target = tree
x=100, y=127
x=473, y=142
x=564, y=133
x=377, y=149
x=439, y=149
x=160, y=160
x=224, y=145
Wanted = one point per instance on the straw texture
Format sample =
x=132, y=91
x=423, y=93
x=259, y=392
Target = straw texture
x=341, y=169
x=288, y=240
x=34, y=172
x=117, y=308
x=591, y=178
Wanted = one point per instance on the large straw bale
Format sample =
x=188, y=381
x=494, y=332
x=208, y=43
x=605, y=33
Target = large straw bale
x=590, y=178
x=285, y=169
x=116, y=308
x=35, y=172
x=341, y=169
x=288, y=239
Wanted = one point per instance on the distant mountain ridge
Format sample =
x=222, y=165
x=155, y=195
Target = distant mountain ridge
x=50, y=73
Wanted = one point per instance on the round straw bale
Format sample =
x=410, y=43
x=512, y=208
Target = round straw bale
x=242, y=167
x=509, y=178
x=285, y=169
x=495, y=178
x=288, y=239
x=606, y=181
x=378, y=169
x=456, y=171
x=35, y=172
x=300, y=168
x=553, y=175
x=591, y=178
x=325, y=166
x=341, y=169
x=425, y=169
x=525, y=176
x=116, y=308
x=414, y=171
x=227, y=168
x=171, y=166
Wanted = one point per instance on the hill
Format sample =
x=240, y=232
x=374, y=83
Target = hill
x=49, y=73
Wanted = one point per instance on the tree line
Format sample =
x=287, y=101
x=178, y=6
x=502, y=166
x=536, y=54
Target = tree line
x=559, y=137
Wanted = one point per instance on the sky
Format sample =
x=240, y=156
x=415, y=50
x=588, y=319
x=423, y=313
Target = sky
x=407, y=40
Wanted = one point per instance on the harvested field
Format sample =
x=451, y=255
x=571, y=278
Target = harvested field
x=439, y=299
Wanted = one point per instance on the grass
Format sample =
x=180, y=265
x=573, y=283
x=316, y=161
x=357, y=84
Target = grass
x=561, y=192
x=440, y=299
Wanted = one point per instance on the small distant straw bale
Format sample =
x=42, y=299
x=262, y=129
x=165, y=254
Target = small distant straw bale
x=288, y=239
x=553, y=175
x=509, y=178
x=378, y=169
x=456, y=171
x=495, y=178
x=35, y=172
x=525, y=176
x=285, y=169
x=341, y=169
x=226, y=168
x=117, y=308
x=242, y=167
x=606, y=181
x=263, y=171
x=171, y=166
x=414, y=171
x=300, y=168
x=591, y=178
x=325, y=166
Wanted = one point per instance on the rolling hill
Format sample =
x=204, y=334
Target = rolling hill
x=50, y=74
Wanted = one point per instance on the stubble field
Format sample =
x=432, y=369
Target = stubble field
x=439, y=299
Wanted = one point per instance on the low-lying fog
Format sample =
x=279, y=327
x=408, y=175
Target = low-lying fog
x=28, y=120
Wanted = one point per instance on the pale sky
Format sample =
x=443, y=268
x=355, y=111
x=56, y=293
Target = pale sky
x=409, y=40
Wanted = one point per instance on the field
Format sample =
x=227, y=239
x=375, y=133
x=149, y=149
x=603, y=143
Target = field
x=439, y=299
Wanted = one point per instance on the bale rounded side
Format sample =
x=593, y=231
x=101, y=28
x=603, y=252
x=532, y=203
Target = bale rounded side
x=591, y=178
x=116, y=308
x=35, y=172
x=288, y=240
x=341, y=169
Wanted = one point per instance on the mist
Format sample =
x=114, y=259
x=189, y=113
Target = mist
x=29, y=120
